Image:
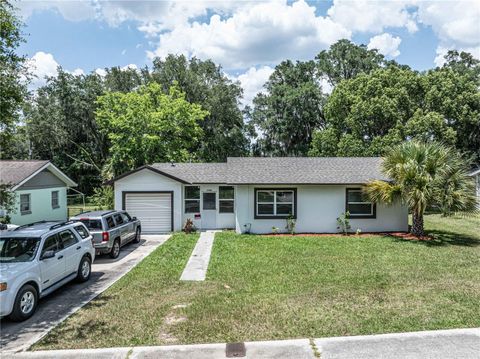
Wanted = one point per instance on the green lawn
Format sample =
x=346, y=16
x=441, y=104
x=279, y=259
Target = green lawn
x=288, y=287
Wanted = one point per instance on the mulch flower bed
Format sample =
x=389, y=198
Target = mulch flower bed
x=400, y=235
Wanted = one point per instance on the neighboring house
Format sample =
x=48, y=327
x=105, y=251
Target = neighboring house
x=256, y=194
x=476, y=175
x=40, y=190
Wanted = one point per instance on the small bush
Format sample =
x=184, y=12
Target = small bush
x=189, y=227
x=291, y=224
x=344, y=223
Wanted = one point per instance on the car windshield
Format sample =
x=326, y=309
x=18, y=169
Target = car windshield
x=92, y=224
x=18, y=249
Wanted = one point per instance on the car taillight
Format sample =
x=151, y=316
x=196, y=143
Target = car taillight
x=105, y=236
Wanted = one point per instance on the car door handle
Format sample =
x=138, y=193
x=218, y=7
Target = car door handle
x=79, y=247
x=60, y=257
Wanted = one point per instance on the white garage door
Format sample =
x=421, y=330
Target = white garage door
x=154, y=210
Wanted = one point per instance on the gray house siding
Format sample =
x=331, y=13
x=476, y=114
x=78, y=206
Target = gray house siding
x=44, y=179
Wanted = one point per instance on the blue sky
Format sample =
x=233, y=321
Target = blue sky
x=247, y=38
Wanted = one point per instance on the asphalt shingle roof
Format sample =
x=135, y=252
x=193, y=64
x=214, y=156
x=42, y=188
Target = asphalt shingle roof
x=279, y=170
x=195, y=172
x=14, y=172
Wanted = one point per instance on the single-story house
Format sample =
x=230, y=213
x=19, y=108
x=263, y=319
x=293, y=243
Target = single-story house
x=476, y=175
x=252, y=194
x=40, y=190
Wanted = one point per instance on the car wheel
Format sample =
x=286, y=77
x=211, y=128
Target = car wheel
x=25, y=303
x=137, y=236
x=84, y=269
x=115, y=249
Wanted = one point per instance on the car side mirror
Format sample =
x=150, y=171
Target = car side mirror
x=134, y=218
x=47, y=255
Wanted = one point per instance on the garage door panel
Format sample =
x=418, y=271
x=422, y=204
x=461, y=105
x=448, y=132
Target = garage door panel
x=154, y=210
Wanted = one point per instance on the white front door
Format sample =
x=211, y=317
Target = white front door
x=209, y=210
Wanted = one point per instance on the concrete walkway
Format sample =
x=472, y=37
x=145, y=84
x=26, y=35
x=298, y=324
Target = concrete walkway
x=196, y=268
x=58, y=306
x=445, y=344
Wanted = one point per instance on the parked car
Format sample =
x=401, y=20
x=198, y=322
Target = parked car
x=7, y=227
x=110, y=230
x=38, y=258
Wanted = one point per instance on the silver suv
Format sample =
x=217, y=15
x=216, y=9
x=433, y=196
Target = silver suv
x=110, y=230
x=36, y=259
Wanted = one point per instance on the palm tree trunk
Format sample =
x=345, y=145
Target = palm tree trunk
x=417, y=227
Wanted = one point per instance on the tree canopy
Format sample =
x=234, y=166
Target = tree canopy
x=147, y=126
x=290, y=110
x=13, y=76
x=206, y=84
x=368, y=114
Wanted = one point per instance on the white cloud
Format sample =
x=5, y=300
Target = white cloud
x=130, y=66
x=100, y=72
x=41, y=65
x=70, y=10
x=327, y=87
x=457, y=25
x=252, y=82
x=261, y=34
x=386, y=44
x=78, y=72
x=242, y=34
x=373, y=16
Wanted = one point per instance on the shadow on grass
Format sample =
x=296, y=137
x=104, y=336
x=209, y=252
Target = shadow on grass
x=442, y=238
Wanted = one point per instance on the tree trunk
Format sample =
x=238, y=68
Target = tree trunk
x=417, y=227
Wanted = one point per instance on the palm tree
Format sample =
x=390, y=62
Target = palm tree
x=424, y=175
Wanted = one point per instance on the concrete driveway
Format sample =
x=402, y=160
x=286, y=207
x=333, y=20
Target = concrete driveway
x=62, y=303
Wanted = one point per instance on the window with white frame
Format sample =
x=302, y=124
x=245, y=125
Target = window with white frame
x=55, y=199
x=25, y=204
x=226, y=199
x=358, y=205
x=192, y=199
x=275, y=203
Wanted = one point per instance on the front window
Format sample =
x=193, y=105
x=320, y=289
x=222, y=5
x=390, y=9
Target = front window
x=110, y=222
x=92, y=224
x=192, y=199
x=358, y=205
x=18, y=249
x=82, y=231
x=226, y=199
x=278, y=203
x=55, y=199
x=25, y=205
x=68, y=238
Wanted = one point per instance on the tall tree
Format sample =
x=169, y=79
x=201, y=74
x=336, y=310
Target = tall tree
x=425, y=175
x=463, y=63
x=372, y=112
x=290, y=110
x=147, y=126
x=13, y=75
x=61, y=126
x=204, y=83
x=344, y=60
x=122, y=79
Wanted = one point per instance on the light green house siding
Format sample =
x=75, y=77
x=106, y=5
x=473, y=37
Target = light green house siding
x=41, y=206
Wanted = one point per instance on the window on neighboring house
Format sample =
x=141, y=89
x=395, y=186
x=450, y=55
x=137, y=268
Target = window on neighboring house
x=226, y=199
x=358, y=205
x=276, y=203
x=25, y=205
x=192, y=199
x=55, y=199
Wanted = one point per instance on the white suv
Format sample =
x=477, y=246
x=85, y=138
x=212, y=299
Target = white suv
x=36, y=259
